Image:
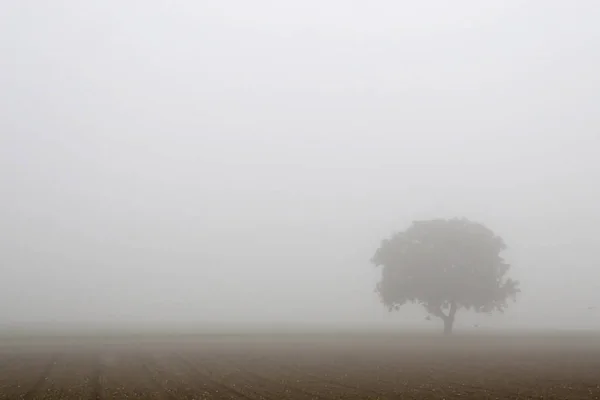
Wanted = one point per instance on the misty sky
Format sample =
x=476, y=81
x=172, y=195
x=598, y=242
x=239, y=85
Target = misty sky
x=240, y=161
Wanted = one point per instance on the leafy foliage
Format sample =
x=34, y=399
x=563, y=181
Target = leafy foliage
x=445, y=265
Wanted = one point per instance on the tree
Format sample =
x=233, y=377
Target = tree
x=445, y=265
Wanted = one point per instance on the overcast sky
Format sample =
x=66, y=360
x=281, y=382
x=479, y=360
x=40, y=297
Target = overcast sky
x=241, y=160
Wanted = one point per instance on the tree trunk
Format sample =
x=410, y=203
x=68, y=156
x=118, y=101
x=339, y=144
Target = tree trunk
x=448, y=324
x=449, y=319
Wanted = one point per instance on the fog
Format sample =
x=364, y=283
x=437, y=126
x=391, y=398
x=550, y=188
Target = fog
x=203, y=162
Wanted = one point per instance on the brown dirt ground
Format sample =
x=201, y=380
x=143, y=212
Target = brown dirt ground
x=302, y=367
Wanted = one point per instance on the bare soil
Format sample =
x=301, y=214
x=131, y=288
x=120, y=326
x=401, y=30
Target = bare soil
x=343, y=366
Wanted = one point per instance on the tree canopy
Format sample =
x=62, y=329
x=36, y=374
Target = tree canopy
x=445, y=265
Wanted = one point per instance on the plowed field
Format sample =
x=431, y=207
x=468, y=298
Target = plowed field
x=301, y=367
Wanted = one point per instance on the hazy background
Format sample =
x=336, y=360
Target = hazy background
x=237, y=161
